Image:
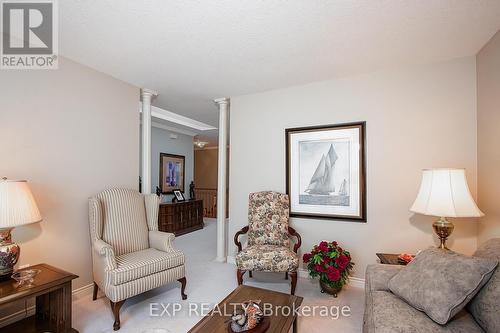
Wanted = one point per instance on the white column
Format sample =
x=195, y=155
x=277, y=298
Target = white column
x=223, y=104
x=146, y=96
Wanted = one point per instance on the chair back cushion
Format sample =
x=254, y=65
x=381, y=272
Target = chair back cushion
x=125, y=226
x=485, y=306
x=268, y=215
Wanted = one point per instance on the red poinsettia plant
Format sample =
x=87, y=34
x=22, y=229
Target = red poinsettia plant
x=330, y=263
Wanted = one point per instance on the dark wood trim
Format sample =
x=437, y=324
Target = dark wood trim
x=53, y=300
x=292, y=232
x=239, y=276
x=362, y=173
x=214, y=321
x=243, y=231
x=293, y=276
x=182, y=188
x=183, y=287
x=115, y=307
x=94, y=292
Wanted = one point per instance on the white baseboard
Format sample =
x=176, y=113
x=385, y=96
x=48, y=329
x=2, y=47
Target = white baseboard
x=353, y=281
x=30, y=311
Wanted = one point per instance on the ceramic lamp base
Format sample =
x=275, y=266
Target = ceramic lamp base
x=9, y=254
x=443, y=228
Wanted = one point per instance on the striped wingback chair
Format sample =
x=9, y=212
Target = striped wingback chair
x=269, y=236
x=129, y=254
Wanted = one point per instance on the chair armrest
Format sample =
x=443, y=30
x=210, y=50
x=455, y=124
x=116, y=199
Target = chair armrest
x=243, y=231
x=292, y=232
x=162, y=241
x=378, y=276
x=105, y=250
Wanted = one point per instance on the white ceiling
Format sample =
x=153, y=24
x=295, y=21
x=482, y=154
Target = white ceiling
x=194, y=51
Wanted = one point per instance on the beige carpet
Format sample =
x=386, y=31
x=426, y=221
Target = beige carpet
x=209, y=282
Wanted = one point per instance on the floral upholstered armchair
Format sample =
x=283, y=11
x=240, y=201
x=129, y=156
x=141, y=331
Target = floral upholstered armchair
x=269, y=235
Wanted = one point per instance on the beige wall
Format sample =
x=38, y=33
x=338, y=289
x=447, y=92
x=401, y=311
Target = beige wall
x=417, y=117
x=71, y=133
x=488, y=112
x=205, y=168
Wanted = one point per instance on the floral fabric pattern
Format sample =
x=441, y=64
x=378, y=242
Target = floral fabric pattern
x=267, y=258
x=268, y=216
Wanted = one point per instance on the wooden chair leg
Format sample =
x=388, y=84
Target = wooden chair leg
x=115, y=307
x=239, y=276
x=293, y=275
x=183, y=287
x=250, y=274
x=286, y=275
x=94, y=293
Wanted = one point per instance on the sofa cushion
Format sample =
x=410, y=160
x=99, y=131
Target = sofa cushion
x=485, y=306
x=267, y=258
x=378, y=275
x=389, y=314
x=441, y=282
x=135, y=265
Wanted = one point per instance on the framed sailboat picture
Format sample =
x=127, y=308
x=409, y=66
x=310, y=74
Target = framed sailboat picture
x=325, y=171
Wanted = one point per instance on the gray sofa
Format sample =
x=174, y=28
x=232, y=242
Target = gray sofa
x=387, y=313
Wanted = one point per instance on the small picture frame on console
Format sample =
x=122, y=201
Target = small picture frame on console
x=179, y=196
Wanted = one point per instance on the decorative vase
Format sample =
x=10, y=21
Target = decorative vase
x=325, y=288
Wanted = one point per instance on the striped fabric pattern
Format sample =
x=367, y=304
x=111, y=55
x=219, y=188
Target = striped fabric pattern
x=130, y=255
x=136, y=287
x=95, y=218
x=135, y=265
x=125, y=215
x=152, y=207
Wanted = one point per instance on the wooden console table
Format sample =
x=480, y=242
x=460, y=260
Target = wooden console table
x=181, y=217
x=52, y=289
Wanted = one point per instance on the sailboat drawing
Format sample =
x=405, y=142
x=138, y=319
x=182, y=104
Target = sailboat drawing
x=322, y=181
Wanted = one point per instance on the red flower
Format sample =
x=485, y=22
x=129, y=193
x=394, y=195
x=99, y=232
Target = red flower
x=319, y=268
x=307, y=257
x=326, y=260
x=334, y=243
x=333, y=274
x=323, y=247
x=342, y=261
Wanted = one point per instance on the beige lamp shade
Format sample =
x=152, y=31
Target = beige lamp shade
x=17, y=204
x=445, y=193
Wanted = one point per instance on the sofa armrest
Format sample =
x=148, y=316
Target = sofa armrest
x=162, y=241
x=105, y=253
x=378, y=276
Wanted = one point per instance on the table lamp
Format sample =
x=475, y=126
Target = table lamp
x=17, y=207
x=445, y=193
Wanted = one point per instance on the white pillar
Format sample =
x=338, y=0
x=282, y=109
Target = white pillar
x=223, y=104
x=146, y=96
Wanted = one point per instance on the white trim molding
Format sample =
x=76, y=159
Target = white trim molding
x=172, y=129
x=302, y=273
x=223, y=106
x=146, y=95
x=178, y=119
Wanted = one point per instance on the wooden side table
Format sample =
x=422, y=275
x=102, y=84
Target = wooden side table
x=52, y=289
x=390, y=259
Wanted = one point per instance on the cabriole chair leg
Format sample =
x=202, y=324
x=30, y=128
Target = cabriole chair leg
x=94, y=293
x=183, y=287
x=115, y=307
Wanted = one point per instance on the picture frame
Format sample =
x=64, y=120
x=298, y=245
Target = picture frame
x=179, y=195
x=326, y=171
x=172, y=173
